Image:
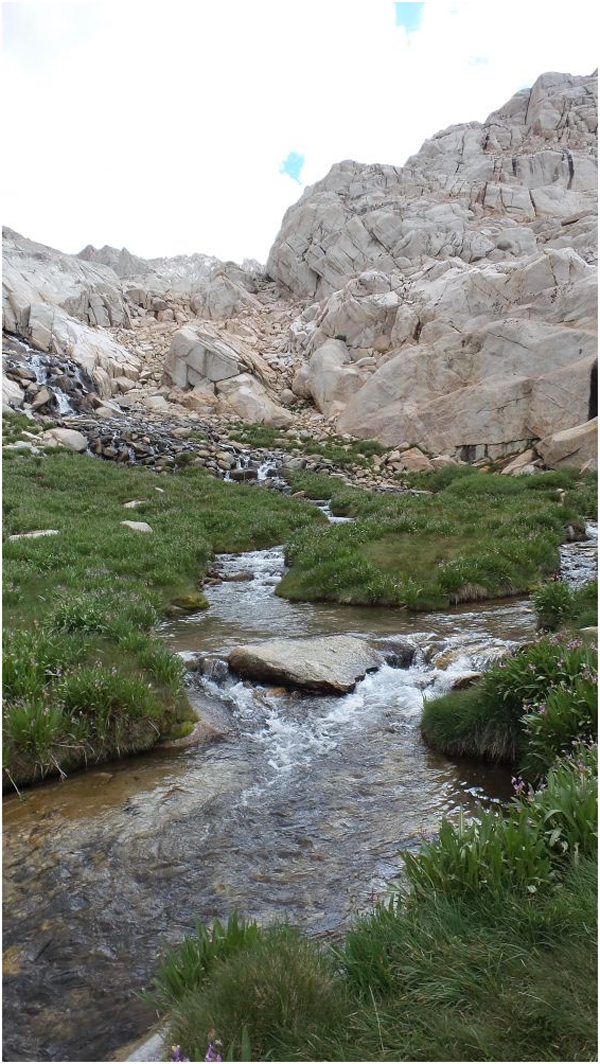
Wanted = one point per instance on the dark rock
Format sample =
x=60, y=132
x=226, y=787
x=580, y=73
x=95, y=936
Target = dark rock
x=399, y=654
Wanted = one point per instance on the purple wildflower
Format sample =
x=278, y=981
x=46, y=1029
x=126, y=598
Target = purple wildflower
x=542, y=708
x=518, y=784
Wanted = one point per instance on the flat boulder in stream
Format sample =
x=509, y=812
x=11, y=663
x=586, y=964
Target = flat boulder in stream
x=331, y=664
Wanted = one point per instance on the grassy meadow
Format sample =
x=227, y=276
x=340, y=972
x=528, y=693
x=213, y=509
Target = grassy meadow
x=85, y=676
x=475, y=536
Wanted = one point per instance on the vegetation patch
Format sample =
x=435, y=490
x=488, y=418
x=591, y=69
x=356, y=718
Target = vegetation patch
x=19, y=428
x=560, y=606
x=526, y=709
x=85, y=676
x=489, y=954
x=334, y=448
x=481, y=536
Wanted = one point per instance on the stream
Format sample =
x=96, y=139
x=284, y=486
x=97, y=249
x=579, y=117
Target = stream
x=298, y=811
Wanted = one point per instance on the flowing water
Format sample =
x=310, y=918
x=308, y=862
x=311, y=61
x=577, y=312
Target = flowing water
x=54, y=372
x=298, y=811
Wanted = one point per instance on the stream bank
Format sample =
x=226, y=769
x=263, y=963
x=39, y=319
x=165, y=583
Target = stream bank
x=298, y=812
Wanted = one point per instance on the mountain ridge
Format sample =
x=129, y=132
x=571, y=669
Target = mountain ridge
x=450, y=302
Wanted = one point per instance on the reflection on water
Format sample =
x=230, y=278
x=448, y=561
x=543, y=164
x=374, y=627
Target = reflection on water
x=298, y=812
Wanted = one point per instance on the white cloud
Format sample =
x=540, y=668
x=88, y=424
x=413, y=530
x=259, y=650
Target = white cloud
x=163, y=126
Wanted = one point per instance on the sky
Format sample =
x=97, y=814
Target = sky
x=171, y=128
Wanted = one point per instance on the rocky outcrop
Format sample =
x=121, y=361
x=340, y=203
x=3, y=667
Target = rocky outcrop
x=463, y=284
x=35, y=274
x=220, y=369
x=12, y=395
x=332, y=378
x=199, y=353
x=331, y=664
x=61, y=305
x=480, y=191
x=248, y=399
x=447, y=305
x=503, y=357
x=202, y=279
x=223, y=298
x=576, y=447
x=159, y=276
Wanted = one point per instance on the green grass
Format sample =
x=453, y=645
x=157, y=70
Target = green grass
x=526, y=708
x=14, y=427
x=333, y=448
x=85, y=676
x=488, y=956
x=558, y=605
x=481, y=536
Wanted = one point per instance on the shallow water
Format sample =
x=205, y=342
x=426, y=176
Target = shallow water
x=299, y=812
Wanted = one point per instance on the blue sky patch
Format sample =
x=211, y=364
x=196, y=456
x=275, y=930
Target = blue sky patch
x=409, y=16
x=292, y=166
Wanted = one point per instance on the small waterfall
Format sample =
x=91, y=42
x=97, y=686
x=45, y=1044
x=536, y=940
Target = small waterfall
x=67, y=383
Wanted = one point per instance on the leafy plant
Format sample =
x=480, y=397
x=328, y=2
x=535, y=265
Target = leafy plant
x=567, y=716
x=493, y=854
x=188, y=965
x=553, y=604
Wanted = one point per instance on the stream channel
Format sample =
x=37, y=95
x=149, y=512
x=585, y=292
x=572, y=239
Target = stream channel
x=298, y=812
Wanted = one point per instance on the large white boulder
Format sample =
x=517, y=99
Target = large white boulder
x=331, y=664
x=223, y=298
x=247, y=398
x=12, y=395
x=333, y=379
x=204, y=353
x=69, y=438
x=577, y=446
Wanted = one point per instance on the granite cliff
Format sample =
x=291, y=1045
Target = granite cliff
x=448, y=304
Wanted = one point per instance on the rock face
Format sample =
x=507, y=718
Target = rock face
x=12, y=395
x=221, y=369
x=490, y=191
x=463, y=284
x=577, y=446
x=332, y=664
x=63, y=306
x=249, y=400
x=34, y=273
x=448, y=305
x=333, y=379
x=223, y=298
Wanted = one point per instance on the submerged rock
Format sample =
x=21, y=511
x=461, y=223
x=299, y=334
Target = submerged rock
x=332, y=664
